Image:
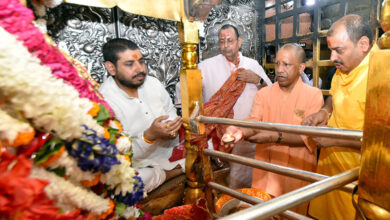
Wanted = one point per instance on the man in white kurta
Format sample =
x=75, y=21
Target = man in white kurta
x=137, y=114
x=215, y=71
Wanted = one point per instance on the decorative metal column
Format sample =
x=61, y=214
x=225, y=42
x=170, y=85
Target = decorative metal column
x=198, y=170
x=374, y=187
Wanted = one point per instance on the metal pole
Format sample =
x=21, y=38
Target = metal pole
x=287, y=171
x=295, y=129
x=296, y=197
x=254, y=200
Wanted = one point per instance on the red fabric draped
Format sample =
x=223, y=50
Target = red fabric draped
x=220, y=105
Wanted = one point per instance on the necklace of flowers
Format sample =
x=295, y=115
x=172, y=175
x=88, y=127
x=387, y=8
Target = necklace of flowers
x=17, y=19
x=51, y=105
x=69, y=196
x=13, y=131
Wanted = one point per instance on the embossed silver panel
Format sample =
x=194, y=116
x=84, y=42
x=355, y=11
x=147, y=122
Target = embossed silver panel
x=82, y=30
x=238, y=13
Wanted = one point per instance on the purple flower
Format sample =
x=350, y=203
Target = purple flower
x=93, y=153
x=130, y=199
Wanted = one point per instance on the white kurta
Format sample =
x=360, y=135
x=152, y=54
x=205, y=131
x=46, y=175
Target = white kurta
x=215, y=71
x=136, y=116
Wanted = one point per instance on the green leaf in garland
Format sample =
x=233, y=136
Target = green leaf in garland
x=120, y=208
x=113, y=132
x=103, y=115
x=60, y=171
x=52, y=146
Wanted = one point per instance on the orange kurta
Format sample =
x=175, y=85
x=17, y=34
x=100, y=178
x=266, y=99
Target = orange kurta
x=271, y=104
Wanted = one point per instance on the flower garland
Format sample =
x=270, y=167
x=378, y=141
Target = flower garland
x=23, y=197
x=72, y=171
x=17, y=19
x=69, y=196
x=57, y=108
x=10, y=128
x=93, y=153
x=51, y=104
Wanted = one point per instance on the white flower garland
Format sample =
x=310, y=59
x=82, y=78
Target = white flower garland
x=72, y=171
x=120, y=177
x=69, y=196
x=30, y=87
x=123, y=144
x=131, y=212
x=10, y=127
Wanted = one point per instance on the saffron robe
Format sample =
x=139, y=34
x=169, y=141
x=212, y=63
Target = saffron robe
x=271, y=104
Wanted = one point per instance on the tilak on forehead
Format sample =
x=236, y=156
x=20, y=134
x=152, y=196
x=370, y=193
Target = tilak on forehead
x=136, y=57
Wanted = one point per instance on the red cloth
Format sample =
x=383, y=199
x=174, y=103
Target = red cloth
x=178, y=151
x=186, y=212
x=220, y=105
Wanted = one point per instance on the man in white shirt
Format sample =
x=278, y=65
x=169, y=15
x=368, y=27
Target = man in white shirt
x=215, y=72
x=146, y=112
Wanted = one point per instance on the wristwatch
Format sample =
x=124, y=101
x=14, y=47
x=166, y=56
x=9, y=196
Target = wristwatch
x=260, y=81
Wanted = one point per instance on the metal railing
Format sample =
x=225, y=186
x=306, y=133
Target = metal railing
x=294, y=129
x=296, y=197
x=281, y=203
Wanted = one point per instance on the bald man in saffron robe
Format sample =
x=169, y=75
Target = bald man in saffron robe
x=287, y=101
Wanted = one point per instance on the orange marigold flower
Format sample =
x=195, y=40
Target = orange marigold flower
x=94, y=110
x=109, y=211
x=117, y=125
x=90, y=183
x=126, y=157
x=106, y=134
x=53, y=157
x=23, y=138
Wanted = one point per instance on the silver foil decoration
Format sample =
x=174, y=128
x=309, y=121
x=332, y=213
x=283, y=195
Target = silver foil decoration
x=81, y=31
x=241, y=16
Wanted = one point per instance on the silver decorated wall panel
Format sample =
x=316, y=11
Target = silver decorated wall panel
x=81, y=31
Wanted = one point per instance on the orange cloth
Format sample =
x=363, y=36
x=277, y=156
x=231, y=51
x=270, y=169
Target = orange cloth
x=271, y=104
x=221, y=105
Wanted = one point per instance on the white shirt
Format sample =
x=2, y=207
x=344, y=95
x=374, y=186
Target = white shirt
x=138, y=114
x=216, y=70
x=308, y=81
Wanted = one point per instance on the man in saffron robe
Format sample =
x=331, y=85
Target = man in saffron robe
x=230, y=82
x=350, y=42
x=287, y=101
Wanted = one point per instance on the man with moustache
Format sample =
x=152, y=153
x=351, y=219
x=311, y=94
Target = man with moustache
x=287, y=101
x=350, y=41
x=232, y=78
x=145, y=109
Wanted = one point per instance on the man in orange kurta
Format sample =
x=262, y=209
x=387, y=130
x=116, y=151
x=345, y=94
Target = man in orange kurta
x=288, y=101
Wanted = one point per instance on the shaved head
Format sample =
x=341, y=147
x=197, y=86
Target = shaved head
x=298, y=51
